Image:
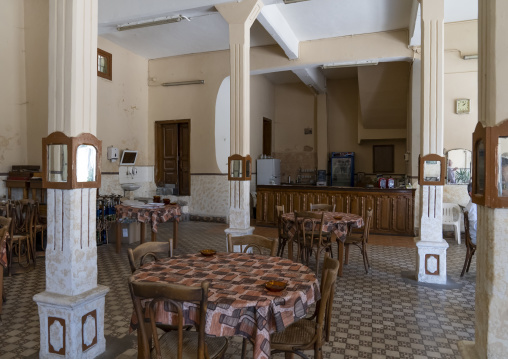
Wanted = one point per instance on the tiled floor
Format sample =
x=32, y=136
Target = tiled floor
x=377, y=315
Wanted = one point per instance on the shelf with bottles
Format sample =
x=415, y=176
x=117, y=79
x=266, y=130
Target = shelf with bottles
x=106, y=216
x=306, y=175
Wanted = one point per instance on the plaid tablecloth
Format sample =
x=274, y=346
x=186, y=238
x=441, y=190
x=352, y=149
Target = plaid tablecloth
x=238, y=303
x=153, y=215
x=331, y=223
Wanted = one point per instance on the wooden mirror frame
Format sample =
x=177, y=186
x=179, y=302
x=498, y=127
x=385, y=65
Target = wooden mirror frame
x=490, y=135
x=431, y=157
x=72, y=143
x=244, y=161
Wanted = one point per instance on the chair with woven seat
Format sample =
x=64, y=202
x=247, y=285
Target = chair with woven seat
x=282, y=231
x=5, y=224
x=178, y=343
x=470, y=246
x=253, y=241
x=310, y=236
x=361, y=241
x=310, y=333
x=322, y=207
x=138, y=255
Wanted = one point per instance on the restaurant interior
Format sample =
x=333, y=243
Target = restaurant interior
x=338, y=140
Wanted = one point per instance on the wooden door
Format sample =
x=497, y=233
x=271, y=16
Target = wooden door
x=184, y=159
x=169, y=160
x=267, y=137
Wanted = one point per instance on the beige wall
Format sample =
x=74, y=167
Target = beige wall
x=262, y=104
x=13, y=100
x=122, y=106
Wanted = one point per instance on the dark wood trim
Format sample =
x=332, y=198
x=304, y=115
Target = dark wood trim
x=109, y=173
x=51, y=320
x=431, y=157
x=109, y=58
x=93, y=314
x=209, y=174
x=427, y=256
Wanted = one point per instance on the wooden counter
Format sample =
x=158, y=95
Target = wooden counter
x=393, y=208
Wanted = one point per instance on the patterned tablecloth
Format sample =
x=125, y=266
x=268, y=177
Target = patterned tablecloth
x=331, y=223
x=153, y=215
x=238, y=303
x=3, y=253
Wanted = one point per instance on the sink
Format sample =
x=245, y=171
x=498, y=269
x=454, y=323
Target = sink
x=130, y=186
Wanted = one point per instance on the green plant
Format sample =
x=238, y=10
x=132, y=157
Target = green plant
x=462, y=175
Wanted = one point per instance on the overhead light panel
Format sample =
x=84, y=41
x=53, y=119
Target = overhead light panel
x=292, y=1
x=153, y=22
x=180, y=83
x=349, y=64
x=470, y=57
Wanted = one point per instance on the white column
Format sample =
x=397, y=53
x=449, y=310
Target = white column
x=71, y=309
x=240, y=17
x=431, y=256
x=491, y=334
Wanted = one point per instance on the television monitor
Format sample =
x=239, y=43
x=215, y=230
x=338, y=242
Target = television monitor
x=128, y=158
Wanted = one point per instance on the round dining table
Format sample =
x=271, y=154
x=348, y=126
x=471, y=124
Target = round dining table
x=337, y=223
x=238, y=302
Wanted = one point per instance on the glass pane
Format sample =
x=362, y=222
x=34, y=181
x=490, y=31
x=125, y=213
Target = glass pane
x=480, y=170
x=503, y=166
x=57, y=163
x=236, y=168
x=247, y=169
x=432, y=171
x=86, y=157
x=458, y=166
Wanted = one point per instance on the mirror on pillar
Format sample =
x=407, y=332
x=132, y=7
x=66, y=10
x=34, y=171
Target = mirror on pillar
x=502, y=186
x=431, y=170
x=57, y=163
x=239, y=168
x=86, y=163
x=458, y=162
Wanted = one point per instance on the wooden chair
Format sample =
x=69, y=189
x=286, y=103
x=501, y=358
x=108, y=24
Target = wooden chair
x=322, y=207
x=310, y=333
x=470, y=246
x=20, y=240
x=138, y=255
x=283, y=234
x=178, y=343
x=40, y=224
x=5, y=224
x=361, y=241
x=253, y=241
x=310, y=236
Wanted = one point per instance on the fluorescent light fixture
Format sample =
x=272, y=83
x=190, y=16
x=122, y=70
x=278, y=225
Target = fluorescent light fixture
x=349, y=64
x=153, y=22
x=180, y=83
x=470, y=57
x=292, y=1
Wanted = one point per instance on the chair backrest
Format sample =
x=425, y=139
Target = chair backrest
x=173, y=295
x=469, y=242
x=309, y=227
x=280, y=227
x=325, y=305
x=451, y=213
x=253, y=241
x=5, y=209
x=138, y=255
x=22, y=216
x=5, y=226
x=322, y=207
x=367, y=225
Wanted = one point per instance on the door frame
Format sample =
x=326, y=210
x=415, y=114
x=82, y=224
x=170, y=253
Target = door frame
x=158, y=141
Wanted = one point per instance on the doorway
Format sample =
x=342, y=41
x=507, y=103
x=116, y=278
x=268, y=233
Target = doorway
x=267, y=136
x=172, y=155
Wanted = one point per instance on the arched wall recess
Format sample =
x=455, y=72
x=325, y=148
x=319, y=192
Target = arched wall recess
x=222, y=125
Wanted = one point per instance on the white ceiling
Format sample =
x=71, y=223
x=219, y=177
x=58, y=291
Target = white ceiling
x=208, y=31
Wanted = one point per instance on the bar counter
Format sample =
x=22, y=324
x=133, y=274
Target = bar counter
x=393, y=208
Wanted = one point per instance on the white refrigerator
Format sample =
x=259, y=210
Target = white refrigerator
x=268, y=171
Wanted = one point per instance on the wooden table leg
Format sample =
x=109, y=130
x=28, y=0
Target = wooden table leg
x=141, y=343
x=175, y=233
x=142, y=232
x=25, y=193
x=340, y=256
x=118, y=238
x=34, y=194
x=1, y=288
x=154, y=236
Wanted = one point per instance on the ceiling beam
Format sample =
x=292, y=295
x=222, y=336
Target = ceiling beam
x=312, y=77
x=276, y=25
x=415, y=25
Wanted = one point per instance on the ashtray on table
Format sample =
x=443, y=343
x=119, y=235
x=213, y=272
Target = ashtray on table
x=275, y=286
x=208, y=252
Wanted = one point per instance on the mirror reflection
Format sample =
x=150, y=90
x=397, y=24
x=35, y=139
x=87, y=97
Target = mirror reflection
x=458, y=166
x=247, y=169
x=57, y=163
x=236, y=168
x=86, y=166
x=480, y=170
x=432, y=171
x=503, y=166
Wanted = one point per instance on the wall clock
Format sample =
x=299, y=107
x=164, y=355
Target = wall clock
x=462, y=105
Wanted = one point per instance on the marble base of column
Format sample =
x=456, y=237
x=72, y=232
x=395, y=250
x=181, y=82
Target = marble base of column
x=467, y=349
x=431, y=261
x=72, y=326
